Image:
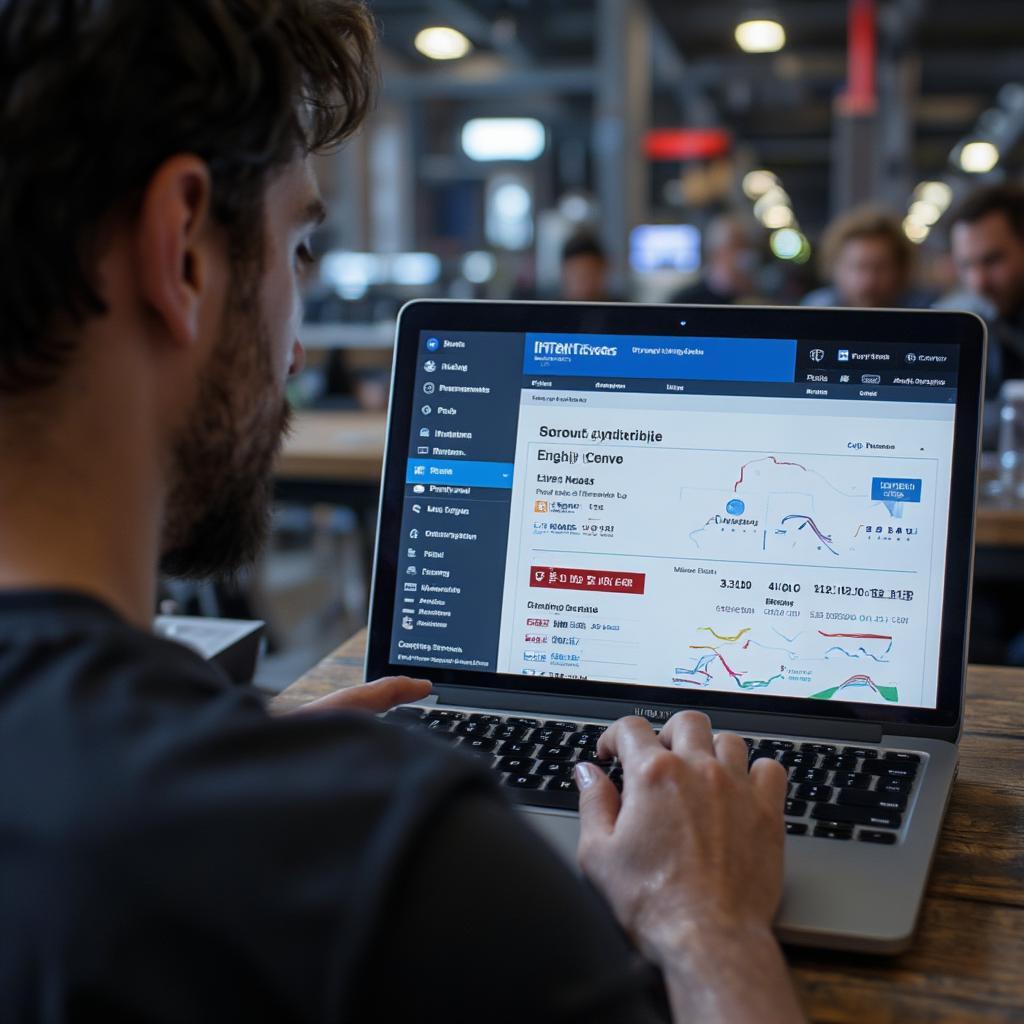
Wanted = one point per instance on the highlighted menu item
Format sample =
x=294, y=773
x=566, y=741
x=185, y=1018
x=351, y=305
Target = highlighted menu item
x=553, y=578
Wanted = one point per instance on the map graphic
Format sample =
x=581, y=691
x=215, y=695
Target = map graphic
x=830, y=510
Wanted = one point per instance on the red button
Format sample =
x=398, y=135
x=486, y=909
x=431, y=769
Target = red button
x=598, y=580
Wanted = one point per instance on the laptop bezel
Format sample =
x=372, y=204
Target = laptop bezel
x=965, y=330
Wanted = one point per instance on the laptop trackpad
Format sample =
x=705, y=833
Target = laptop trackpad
x=560, y=829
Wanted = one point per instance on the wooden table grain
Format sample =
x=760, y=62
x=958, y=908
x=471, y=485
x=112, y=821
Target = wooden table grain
x=967, y=961
x=334, y=447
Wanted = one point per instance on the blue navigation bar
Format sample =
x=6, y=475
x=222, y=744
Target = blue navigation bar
x=459, y=473
x=661, y=358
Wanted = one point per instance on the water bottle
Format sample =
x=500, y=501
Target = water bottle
x=1011, y=441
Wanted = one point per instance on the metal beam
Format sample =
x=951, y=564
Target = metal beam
x=474, y=82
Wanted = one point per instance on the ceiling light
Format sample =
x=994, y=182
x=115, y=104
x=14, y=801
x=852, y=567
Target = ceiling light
x=915, y=231
x=503, y=138
x=760, y=36
x=787, y=243
x=938, y=193
x=923, y=212
x=775, y=196
x=439, y=42
x=979, y=157
x=756, y=183
x=778, y=217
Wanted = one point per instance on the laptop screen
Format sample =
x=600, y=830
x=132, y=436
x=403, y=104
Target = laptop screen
x=755, y=516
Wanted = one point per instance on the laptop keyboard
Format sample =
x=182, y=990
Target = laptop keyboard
x=835, y=791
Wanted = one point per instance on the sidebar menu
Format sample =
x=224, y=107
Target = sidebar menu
x=458, y=490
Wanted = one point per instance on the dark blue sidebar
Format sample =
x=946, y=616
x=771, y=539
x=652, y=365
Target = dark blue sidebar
x=458, y=489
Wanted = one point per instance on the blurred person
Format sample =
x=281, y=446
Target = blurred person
x=869, y=261
x=585, y=270
x=171, y=852
x=987, y=244
x=730, y=262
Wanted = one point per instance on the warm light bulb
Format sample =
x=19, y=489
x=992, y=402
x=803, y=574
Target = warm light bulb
x=979, y=157
x=915, y=231
x=760, y=36
x=756, y=183
x=439, y=42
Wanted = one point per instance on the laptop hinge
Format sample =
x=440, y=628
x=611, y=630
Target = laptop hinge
x=596, y=707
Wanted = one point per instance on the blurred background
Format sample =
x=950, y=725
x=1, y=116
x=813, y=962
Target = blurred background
x=804, y=151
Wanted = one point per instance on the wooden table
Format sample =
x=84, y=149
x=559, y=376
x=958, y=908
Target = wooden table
x=999, y=527
x=334, y=447
x=967, y=963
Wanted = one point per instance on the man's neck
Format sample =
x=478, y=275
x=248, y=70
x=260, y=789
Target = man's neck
x=80, y=509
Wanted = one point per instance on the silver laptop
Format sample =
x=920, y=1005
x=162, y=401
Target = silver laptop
x=590, y=511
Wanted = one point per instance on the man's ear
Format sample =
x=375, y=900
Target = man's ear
x=175, y=253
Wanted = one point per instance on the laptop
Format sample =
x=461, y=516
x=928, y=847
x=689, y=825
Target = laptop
x=598, y=510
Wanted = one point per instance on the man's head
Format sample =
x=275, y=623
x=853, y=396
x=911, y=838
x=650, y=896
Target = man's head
x=868, y=258
x=584, y=270
x=987, y=240
x=155, y=212
x=730, y=255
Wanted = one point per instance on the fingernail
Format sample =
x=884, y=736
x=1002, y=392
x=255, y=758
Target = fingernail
x=584, y=775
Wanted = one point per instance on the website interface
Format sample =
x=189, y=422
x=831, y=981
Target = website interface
x=747, y=515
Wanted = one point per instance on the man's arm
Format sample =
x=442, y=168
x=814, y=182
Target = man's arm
x=690, y=858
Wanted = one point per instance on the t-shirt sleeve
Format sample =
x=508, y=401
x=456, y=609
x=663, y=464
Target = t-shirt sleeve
x=488, y=923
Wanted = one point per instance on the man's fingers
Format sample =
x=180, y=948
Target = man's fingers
x=376, y=697
x=599, y=805
x=689, y=732
x=731, y=750
x=769, y=779
x=626, y=738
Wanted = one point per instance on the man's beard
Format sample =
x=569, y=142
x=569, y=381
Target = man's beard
x=218, y=511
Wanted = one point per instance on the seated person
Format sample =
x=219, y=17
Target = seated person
x=869, y=261
x=584, y=270
x=730, y=262
x=170, y=851
x=987, y=241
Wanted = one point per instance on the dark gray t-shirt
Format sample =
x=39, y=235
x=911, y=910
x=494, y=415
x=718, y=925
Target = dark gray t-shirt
x=169, y=852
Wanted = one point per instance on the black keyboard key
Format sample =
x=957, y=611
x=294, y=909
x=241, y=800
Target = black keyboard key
x=869, y=836
x=615, y=774
x=556, y=753
x=809, y=775
x=897, y=786
x=479, y=745
x=562, y=785
x=838, y=763
x=872, y=798
x=471, y=728
x=776, y=744
x=436, y=714
x=547, y=736
x=560, y=769
x=527, y=723
x=796, y=759
x=832, y=832
x=818, y=748
x=562, y=726
x=758, y=752
x=834, y=813
x=851, y=780
x=516, y=748
x=902, y=755
x=890, y=769
x=486, y=719
x=593, y=727
x=512, y=732
x=860, y=752
x=749, y=742
x=590, y=755
x=523, y=781
x=440, y=725
x=581, y=739
x=516, y=765
x=796, y=828
x=813, y=791
x=796, y=808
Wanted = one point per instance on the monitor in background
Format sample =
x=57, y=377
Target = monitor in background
x=661, y=247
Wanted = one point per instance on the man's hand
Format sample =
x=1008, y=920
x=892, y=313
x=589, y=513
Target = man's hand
x=375, y=697
x=690, y=858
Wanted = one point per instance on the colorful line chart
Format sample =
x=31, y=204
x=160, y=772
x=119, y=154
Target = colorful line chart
x=815, y=663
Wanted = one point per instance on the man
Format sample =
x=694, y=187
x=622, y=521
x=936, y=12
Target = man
x=584, y=270
x=730, y=265
x=869, y=260
x=168, y=851
x=987, y=241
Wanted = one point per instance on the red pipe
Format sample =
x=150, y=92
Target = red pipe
x=860, y=96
